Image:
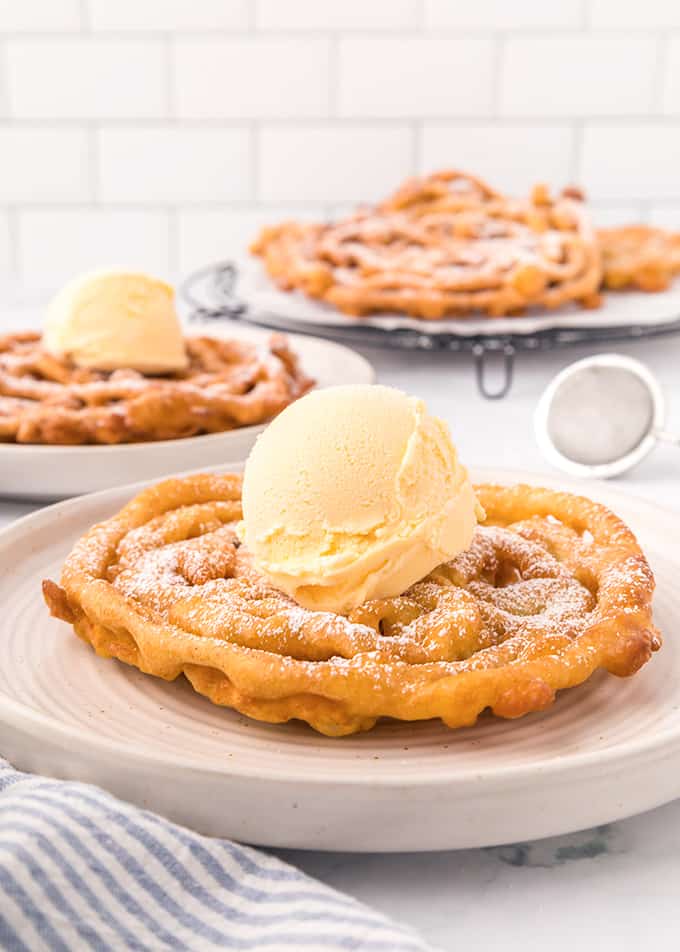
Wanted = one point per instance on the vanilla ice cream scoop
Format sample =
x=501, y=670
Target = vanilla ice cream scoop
x=354, y=493
x=109, y=320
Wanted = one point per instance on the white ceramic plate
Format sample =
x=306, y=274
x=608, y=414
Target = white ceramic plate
x=53, y=472
x=629, y=308
x=604, y=751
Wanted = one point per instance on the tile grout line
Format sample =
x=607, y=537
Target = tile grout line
x=85, y=20
x=585, y=17
x=267, y=207
x=173, y=239
x=417, y=148
x=333, y=75
x=5, y=105
x=93, y=151
x=293, y=123
x=252, y=7
x=171, y=89
x=417, y=31
x=658, y=104
x=9, y=118
x=255, y=149
x=497, y=78
x=576, y=157
x=645, y=209
x=14, y=241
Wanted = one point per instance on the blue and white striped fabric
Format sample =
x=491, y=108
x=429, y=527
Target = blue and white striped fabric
x=82, y=870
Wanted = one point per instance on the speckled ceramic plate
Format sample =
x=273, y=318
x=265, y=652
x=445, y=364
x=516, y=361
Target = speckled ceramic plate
x=53, y=472
x=604, y=751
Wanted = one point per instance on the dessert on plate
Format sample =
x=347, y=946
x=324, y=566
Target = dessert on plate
x=113, y=366
x=639, y=256
x=448, y=245
x=355, y=573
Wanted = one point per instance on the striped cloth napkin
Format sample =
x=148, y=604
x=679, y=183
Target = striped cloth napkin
x=82, y=870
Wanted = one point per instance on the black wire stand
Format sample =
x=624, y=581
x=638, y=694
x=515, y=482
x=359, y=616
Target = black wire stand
x=211, y=294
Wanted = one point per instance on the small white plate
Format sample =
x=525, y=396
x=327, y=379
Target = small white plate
x=53, y=472
x=604, y=751
x=618, y=310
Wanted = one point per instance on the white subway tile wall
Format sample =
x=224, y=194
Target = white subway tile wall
x=162, y=133
x=343, y=162
x=53, y=244
x=416, y=76
x=49, y=164
x=161, y=165
x=665, y=216
x=89, y=78
x=334, y=15
x=578, y=75
x=624, y=14
x=608, y=216
x=513, y=155
x=671, y=100
x=252, y=78
x=632, y=159
x=207, y=235
x=504, y=15
x=166, y=16
x=40, y=16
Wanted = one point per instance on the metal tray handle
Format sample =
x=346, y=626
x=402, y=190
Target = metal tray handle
x=483, y=357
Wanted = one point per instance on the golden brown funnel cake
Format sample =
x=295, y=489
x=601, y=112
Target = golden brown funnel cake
x=442, y=246
x=228, y=384
x=553, y=587
x=639, y=256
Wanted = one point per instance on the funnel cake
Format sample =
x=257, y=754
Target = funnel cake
x=639, y=256
x=227, y=384
x=441, y=246
x=552, y=588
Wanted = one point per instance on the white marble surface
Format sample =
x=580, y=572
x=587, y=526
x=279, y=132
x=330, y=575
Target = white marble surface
x=614, y=888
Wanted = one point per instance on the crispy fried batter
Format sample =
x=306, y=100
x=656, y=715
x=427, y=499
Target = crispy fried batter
x=552, y=588
x=449, y=189
x=639, y=256
x=228, y=384
x=443, y=245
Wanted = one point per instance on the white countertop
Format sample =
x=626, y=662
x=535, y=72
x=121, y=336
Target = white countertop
x=614, y=888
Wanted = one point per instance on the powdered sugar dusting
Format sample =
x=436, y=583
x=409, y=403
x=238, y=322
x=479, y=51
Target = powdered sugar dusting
x=188, y=567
